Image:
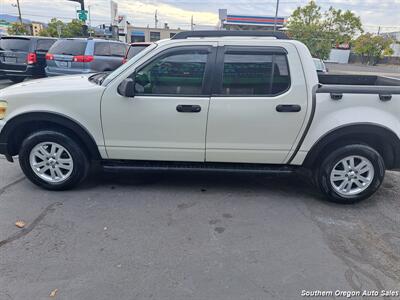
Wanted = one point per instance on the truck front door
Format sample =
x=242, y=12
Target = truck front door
x=167, y=118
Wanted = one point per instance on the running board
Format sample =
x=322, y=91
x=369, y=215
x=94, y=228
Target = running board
x=118, y=166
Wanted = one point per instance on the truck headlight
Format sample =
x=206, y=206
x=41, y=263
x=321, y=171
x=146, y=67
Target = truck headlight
x=3, y=109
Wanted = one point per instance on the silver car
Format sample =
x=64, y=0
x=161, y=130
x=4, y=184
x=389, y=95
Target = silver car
x=77, y=56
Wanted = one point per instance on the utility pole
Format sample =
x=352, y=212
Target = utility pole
x=19, y=12
x=155, y=20
x=191, y=24
x=276, y=14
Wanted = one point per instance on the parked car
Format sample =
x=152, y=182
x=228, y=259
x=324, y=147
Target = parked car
x=76, y=56
x=134, y=49
x=208, y=100
x=23, y=56
x=320, y=65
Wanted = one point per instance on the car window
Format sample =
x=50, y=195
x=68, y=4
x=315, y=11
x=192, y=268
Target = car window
x=14, y=44
x=44, y=45
x=102, y=49
x=255, y=74
x=69, y=47
x=133, y=50
x=118, y=49
x=176, y=73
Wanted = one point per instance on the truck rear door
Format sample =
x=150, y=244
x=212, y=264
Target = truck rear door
x=258, y=106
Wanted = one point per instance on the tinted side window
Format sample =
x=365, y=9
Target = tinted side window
x=173, y=74
x=102, y=49
x=118, y=49
x=281, y=78
x=247, y=73
x=44, y=45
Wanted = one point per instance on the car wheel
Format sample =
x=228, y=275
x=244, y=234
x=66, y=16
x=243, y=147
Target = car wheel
x=17, y=79
x=53, y=160
x=350, y=174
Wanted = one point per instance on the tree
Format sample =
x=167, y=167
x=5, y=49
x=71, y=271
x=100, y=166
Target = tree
x=17, y=29
x=320, y=31
x=71, y=29
x=371, y=47
x=344, y=26
x=75, y=29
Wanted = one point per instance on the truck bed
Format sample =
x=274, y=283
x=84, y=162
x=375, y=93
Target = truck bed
x=365, y=80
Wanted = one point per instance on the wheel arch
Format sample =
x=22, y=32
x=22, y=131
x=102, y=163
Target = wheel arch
x=379, y=137
x=17, y=128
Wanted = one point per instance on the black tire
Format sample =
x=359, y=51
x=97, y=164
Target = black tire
x=322, y=173
x=80, y=161
x=17, y=79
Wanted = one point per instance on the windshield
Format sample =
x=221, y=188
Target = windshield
x=133, y=50
x=127, y=65
x=69, y=47
x=14, y=44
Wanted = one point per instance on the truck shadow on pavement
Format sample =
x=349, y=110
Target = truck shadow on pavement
x=364, y=236
x=237, y=183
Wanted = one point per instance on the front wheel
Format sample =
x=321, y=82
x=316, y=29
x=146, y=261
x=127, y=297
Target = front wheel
x=350, y=174
x=53, y=160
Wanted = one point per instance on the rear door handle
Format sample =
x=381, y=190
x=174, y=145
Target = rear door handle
x=288, y=108
x=188, y=108
x=336, y=96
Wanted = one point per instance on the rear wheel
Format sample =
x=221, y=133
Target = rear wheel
x=350, y=174
x=52, y=160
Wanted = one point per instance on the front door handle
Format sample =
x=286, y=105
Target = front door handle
x=188, y=108
x=288, y=108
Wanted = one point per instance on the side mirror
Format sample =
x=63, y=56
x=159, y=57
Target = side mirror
x=127, y=88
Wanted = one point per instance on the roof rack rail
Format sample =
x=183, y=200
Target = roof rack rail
x=221, y=33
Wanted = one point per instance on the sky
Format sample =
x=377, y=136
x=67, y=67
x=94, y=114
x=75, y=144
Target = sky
x=177, y=13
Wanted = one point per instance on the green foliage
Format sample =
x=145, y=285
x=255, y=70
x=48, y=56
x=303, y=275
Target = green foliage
x=67, y=30
x=17, y=29
x=320, y=31
x=371, y=47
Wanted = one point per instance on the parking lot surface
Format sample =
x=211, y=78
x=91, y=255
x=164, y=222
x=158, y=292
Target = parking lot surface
x=192, y=236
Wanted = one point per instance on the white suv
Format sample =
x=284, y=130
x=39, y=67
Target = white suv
x=218, y=100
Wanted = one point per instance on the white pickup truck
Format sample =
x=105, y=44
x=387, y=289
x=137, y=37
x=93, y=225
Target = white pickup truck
x=209, y=100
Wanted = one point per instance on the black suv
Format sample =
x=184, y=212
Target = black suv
x=23, y=56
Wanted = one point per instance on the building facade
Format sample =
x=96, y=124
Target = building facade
x=36, y=28
x=147, y=34
x=243, y=22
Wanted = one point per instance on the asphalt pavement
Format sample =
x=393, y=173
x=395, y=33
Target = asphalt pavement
x=193, y=236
